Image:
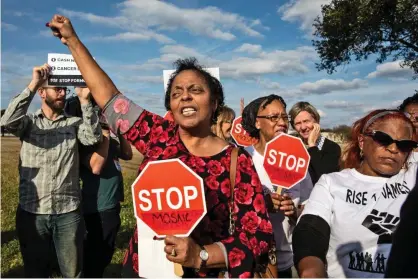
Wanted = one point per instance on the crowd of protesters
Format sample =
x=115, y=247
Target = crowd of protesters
x=340, y=221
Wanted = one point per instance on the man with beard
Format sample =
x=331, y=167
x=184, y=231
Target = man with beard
x=49, y=193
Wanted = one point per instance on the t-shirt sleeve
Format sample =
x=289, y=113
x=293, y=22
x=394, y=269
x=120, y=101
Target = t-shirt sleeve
x=140, y=127
x=320, y=201
x=253, y=236
x=306, y=187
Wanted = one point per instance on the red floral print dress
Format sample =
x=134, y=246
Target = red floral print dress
x=158, y=139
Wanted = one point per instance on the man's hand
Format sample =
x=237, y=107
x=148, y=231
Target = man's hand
x=83, y=94
x=39, y=76
x=314, y=135
x=62, y=28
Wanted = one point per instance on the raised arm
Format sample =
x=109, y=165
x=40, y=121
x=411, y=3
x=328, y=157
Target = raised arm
x=124, y=149
x=89, y=132
x=15, y=119
x=101, y=86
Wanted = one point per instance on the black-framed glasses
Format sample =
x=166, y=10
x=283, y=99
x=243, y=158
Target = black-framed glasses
x=60, y=89
x=275, y=117
x=386, y=140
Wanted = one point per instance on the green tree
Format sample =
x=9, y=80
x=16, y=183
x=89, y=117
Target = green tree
x=343, y=130
x=356, y=29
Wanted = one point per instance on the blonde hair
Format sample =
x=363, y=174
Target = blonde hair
x=303, y=106
x=225, y=114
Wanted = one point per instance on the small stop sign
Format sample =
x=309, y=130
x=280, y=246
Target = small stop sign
x=169, y=198
x=238, y=133
x=286, y=161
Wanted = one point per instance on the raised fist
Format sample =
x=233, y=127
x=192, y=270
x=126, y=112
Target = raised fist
x=62, y=28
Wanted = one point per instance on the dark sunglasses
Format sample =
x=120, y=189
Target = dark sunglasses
x=386, y=140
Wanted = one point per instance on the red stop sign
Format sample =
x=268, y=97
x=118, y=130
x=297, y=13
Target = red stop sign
x=169, y=116
x=286, y=161
x=238, y=133
x=169, y=198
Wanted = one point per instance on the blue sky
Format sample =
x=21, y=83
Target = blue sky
x=261, y=47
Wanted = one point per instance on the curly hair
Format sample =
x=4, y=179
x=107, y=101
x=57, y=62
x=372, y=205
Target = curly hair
x=410, y=100
x=249, y=115
x=215, y=86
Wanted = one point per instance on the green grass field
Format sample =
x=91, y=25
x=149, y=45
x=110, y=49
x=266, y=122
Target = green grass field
x=11, y=260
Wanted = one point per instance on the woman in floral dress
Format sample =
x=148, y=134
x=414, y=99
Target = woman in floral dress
x=194, y=97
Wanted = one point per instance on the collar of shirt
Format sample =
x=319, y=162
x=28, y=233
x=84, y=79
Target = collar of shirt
x=40, y=113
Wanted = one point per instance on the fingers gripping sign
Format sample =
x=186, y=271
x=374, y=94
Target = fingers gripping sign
x=182, y=250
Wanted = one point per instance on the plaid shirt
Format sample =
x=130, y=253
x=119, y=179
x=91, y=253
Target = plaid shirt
x=49, y=159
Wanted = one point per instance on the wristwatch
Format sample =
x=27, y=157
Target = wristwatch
x=204, y=256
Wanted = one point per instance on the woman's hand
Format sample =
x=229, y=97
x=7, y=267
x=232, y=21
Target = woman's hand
x=283, y=203
x=62, y=28
x=186, y=251
x=314, y=135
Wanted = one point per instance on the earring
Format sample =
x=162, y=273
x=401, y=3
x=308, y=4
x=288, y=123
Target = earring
x=361, y=153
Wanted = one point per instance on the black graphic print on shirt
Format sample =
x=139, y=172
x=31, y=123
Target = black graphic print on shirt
x=364, y=262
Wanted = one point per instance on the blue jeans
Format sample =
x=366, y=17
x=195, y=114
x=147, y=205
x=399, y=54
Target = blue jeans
x=38, y=232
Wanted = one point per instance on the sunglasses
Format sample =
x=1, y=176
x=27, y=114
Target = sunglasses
x=386, y=140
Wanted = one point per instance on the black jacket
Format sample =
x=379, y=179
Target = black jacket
x=403, y=258
x=325, y=160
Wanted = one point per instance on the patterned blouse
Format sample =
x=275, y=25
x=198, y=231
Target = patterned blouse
x=158, y=139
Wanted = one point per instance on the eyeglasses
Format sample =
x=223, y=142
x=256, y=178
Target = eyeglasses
x=275, y=117
x=386, y=140
x=60, y=89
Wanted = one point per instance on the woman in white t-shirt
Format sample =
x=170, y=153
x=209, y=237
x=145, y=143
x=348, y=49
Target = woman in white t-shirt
x=346, y=227
x=264, y=119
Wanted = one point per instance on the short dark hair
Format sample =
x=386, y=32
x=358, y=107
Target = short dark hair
x=249, y=115
x=410, y=100
x=215, y=87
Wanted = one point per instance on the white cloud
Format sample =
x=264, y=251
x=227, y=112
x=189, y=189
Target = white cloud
x=150, y=14
x=322, y=113
x=8, y=26
x=303, y=12
x=250, y=48
x=18, y=13
x=46, y=33
x=273, y=62
x=391, y=70
x=324, y=86
x=339, y=104
x=147, y=79
x=355, y=73
x=268, y=84
x=145, y=35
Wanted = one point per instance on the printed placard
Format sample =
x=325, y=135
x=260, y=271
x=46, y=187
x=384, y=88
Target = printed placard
x=64, y=71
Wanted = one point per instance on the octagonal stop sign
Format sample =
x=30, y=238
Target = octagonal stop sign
x=238, y=133
x=286, y=161
x=169, y=198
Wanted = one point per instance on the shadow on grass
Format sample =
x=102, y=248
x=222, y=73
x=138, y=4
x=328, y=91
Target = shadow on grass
x=8, y=236
x=17, y=272
x=123, y=238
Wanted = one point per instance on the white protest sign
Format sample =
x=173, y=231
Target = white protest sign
x=167, y=74
x=64, y=71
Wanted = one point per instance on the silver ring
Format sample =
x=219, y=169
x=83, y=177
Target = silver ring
x=173, y=252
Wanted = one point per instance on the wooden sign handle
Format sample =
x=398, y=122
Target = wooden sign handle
x=279, y=190
x=178, y=270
